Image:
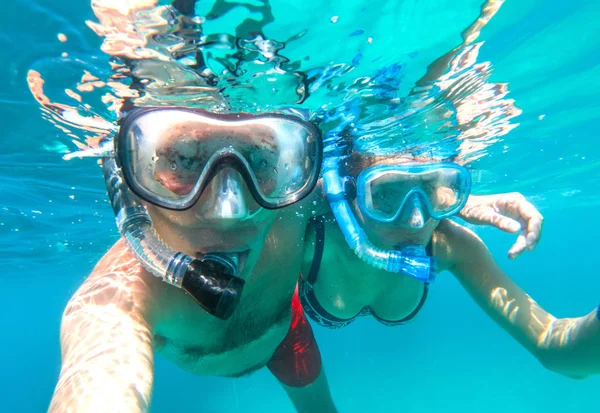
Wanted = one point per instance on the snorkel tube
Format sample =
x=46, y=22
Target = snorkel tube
x=411, y=260
x=211, y=280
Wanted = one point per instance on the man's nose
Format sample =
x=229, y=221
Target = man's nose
x=224, y=197
x=413, y=214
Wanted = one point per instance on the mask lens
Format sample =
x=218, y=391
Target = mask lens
x=162, y=158
x=281, y=159
x=175, y=169
x=388, y=193
x=443, y=188
x=168, y=154
x=446, y=191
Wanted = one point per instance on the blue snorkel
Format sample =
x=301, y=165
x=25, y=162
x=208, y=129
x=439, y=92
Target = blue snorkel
x=411, y=260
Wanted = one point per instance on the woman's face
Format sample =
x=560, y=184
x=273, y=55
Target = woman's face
x=414, y=225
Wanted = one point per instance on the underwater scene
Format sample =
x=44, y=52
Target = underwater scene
x=405, y=151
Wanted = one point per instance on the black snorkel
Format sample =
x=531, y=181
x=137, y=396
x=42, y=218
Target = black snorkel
x=210, y=280
x=212, y=284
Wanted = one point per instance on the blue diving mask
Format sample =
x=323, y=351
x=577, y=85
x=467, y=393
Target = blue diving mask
x=382, y=194
x=384, y=191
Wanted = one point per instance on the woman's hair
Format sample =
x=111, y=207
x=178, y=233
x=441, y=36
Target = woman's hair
x=356, y=162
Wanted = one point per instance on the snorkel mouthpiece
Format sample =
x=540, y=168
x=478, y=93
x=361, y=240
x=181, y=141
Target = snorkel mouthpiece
x=230, y=262
x=210, y=280
x=413, y=261
x=213, y=286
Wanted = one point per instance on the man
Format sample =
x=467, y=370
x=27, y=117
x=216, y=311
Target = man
x=122, y=313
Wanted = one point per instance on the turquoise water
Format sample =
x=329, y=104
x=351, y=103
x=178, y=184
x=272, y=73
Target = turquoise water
x=55, y=222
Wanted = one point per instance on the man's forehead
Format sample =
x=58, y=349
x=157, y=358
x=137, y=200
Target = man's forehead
x=202, y=132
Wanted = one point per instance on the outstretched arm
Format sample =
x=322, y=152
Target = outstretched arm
x=569, y=346
x=106, y=342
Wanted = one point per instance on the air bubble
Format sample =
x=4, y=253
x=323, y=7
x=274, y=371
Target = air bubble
x=173, y=166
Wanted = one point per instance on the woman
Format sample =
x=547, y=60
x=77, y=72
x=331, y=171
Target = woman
x=403, y=204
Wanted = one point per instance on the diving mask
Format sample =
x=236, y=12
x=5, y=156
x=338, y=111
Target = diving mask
x=384, y=191
x=170, y=155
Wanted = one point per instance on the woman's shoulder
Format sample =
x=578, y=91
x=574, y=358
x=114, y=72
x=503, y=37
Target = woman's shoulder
x=452, y=242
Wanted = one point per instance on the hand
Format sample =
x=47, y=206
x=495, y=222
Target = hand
x=509, y=212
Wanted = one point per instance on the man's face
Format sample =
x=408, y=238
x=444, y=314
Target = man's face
x=209, y=226
x=226, y=218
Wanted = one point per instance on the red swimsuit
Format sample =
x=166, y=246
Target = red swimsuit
x=297, y=360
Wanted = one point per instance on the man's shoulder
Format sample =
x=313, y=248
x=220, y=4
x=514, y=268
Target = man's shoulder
x=116, y=280
x=117, y=259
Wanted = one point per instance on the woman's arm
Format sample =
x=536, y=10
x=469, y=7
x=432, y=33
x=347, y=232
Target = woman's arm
x=569, y=346
x=106, y=342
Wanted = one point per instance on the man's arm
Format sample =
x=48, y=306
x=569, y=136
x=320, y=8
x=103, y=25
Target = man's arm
x=106, y=341
x=569, y=346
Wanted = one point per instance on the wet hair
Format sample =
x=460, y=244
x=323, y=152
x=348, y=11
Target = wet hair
x=356, y=162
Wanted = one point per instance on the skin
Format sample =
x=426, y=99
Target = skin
x=346, y=284
x=122, y=316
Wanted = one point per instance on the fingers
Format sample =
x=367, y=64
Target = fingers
x=533, y=220
x=502, y=222
x=509, y=225
x=510, y=213
x=519, y=246
x=534, y=232
x=517, y=207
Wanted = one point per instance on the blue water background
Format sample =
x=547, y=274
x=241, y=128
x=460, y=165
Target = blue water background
x=55, y=224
